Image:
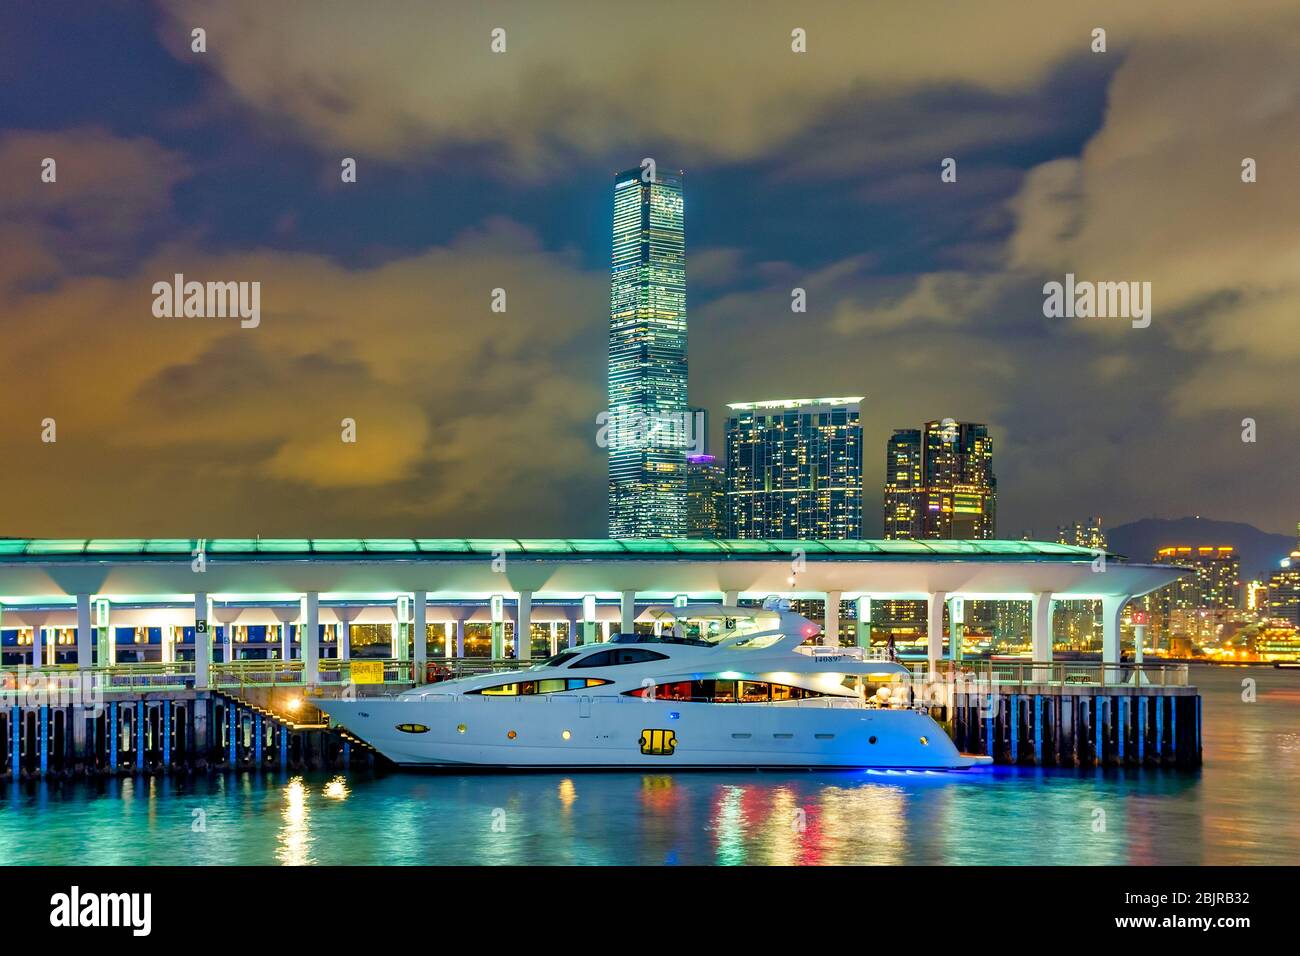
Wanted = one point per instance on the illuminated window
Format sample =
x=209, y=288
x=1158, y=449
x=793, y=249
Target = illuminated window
x=722, y=691
x=529, y=688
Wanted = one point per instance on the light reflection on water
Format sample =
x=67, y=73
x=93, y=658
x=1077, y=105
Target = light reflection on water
x=294, y=836
x=1238, y=809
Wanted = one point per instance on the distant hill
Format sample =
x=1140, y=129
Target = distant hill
x=1259, y=550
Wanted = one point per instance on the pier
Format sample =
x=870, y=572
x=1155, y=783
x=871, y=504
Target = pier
x=1080, y=714
x=187, y=655
x=149, y=719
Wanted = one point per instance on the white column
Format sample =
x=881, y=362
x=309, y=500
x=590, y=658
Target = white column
x=202, y=642
x=286, y=640
x=555, y=638
x=524, y=627
x=1040, y=609
x=731, y=598
x=420, y=637
x=589, y=619
x=934, y=628
x=311, y=640
x=831, y=617
x=573, y=631
x=864, y=622
x=38, y=647
x=1040, y=633
x=460, y=638
x=1112, y=608
x=627, y=615
x=448, y=638
x=85, y=636
x=227, y=641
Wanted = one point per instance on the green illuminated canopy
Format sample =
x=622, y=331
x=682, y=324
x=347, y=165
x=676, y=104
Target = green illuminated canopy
x=271, y=548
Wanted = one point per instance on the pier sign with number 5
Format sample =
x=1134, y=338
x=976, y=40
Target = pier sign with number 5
x=367, y=672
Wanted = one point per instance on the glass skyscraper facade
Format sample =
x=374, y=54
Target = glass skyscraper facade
x=649, y=418
x=794, y=469
x=706, y=498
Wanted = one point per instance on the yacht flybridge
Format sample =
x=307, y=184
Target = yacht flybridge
x=712, y=687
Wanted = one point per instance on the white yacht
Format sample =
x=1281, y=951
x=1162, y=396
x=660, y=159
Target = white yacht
x=713, y=687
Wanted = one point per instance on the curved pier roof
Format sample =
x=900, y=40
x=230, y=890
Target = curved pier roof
x=55, y=549
x=53, y=572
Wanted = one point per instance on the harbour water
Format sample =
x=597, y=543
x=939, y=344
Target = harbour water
x=1239, y=808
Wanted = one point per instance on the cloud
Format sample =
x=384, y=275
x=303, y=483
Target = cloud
x=700, y=80
x=1157, y=196
x=936, y=298
x=109, y=191
x=467, y=421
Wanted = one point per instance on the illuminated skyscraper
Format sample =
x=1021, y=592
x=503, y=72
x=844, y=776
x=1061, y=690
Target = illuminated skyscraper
x=1284, y=588
x=706, y=498
x=939, y=482
x=903, y=484
x=1195, y=607
x=648, y=413
x=794, y=469
x=1216, y=585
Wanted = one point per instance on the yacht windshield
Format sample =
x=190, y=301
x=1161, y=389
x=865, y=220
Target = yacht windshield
x=560, y=658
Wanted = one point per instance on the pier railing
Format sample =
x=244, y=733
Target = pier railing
x=1062, y=673
x=179, y=675
x=337, y=674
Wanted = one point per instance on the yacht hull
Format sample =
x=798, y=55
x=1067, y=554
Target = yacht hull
x=571, y=731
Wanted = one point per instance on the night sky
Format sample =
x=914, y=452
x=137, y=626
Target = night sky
x=481, y=170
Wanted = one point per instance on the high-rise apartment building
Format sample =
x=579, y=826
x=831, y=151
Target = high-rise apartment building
x=706, y=497
x=649, y=426
x=1196, y=606
x=1284, y=587
x=903, y=484
x=1216, y=585
x=794, y=469
x=939, y=482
